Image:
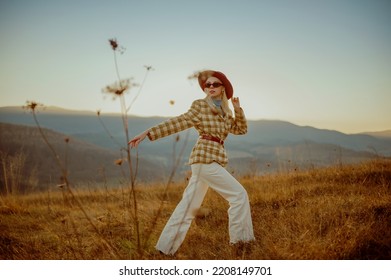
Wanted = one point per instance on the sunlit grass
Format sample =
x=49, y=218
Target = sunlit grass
x=333, y=213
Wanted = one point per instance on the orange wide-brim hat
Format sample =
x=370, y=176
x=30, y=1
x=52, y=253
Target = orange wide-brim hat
x=204, y=75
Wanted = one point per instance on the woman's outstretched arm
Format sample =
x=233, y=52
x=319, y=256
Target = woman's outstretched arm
x=171, y=126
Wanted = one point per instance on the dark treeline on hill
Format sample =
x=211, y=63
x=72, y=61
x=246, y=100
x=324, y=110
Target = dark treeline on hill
x=269, y=146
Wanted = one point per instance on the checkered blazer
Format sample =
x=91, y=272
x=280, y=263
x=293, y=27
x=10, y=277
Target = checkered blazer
x=205, y=121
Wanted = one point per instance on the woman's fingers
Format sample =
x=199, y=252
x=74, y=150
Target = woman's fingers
x=136, y=140
x=132, y=143
x=235, y=101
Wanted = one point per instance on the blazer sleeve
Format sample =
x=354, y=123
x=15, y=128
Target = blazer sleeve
x=176, y=124
x=239, y=123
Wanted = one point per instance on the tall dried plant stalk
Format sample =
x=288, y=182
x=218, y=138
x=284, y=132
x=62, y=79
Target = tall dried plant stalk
x=32, y=107
x=118, y=90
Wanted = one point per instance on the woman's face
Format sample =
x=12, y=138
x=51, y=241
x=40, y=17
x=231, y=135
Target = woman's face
x=214, y=87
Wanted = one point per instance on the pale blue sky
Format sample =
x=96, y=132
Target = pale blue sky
x=320, y=63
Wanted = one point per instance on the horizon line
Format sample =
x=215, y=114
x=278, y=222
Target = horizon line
x=59, y=109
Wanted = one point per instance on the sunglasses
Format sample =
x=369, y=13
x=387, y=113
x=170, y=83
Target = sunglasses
x=215, y=85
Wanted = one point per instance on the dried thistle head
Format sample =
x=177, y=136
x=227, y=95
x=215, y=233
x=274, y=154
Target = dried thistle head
x=113, y=43
x=119, y=88
x=115, y=47
x=32, y=106
x=149, y=67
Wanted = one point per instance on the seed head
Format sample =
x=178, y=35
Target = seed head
x=118, y=89
x=149, y=67
x=32, y=105
x=113, y=43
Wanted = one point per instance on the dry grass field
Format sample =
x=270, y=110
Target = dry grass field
x=341, y=212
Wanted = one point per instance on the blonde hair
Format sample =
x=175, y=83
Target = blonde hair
x=224, y=104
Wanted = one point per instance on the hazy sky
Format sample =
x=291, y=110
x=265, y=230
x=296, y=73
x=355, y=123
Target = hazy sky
x=320, y=63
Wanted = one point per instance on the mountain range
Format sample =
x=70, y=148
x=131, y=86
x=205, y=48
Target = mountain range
x=269, y=145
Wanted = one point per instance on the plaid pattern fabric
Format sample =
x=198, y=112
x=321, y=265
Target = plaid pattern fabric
x=205, y=121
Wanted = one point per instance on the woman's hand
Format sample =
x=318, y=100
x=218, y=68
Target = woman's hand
x=137, y=139
x=236, y=103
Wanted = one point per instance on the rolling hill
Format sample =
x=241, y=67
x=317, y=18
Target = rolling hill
x=27, y=159
x=268, y=146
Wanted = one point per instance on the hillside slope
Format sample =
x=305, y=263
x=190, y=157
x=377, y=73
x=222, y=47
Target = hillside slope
x=328, y=214
x=23, y=149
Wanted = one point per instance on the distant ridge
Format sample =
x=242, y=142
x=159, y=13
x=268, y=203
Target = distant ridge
x=268, y=145
x=47, y=110
x=379, y=134
x=5, y=110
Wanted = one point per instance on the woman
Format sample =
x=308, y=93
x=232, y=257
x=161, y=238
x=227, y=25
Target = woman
x=214, y=120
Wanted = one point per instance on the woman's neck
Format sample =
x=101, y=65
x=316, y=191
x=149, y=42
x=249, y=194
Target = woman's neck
x=217, y=102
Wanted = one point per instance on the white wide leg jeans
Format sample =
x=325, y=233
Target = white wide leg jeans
x=218, y=178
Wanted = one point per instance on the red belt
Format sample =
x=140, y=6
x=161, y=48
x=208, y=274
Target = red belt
x=212, y=138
